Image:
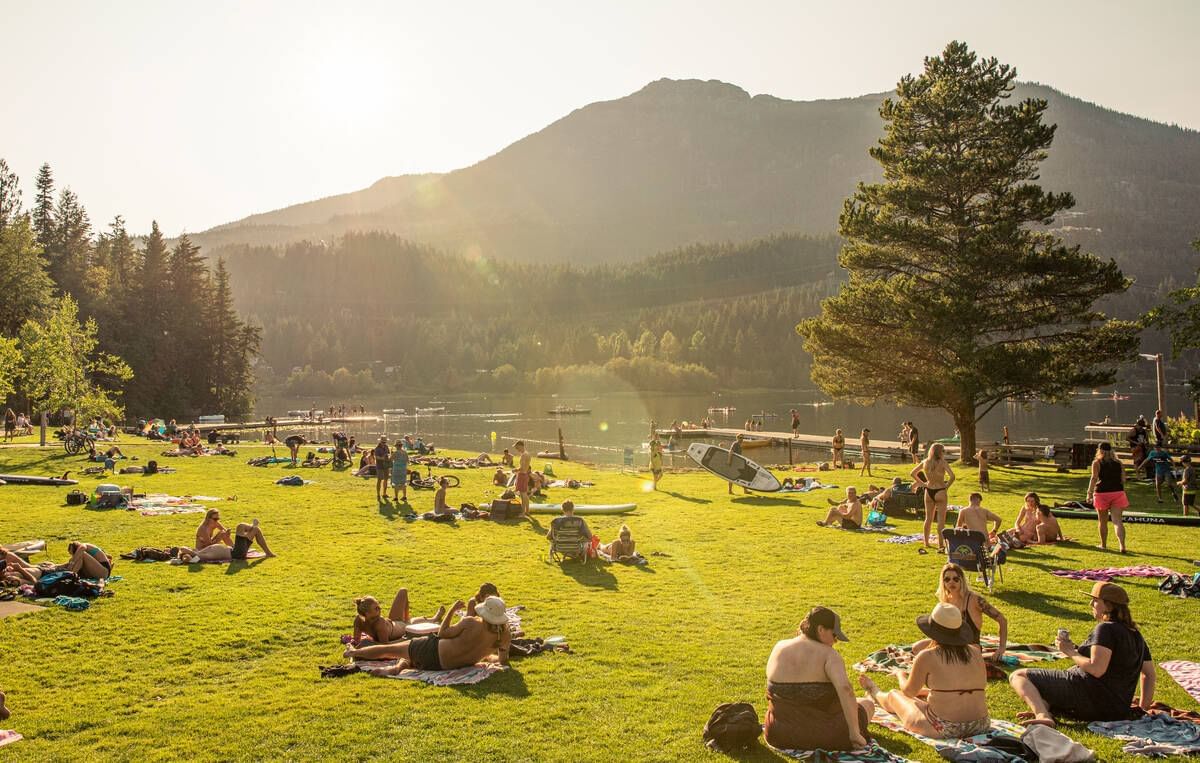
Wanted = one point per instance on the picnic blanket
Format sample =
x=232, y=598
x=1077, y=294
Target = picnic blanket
x=969, y=749
x=1107, y=574
x=253, y=553
x=472, y=674
x=914, y=538
x=900, y=657
x=1152, y=735
x=872, y=753
x=1186, y=674
x=8, y=737
x=161, y=504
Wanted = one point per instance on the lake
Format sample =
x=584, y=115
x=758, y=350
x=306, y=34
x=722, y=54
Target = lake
x=622, y=419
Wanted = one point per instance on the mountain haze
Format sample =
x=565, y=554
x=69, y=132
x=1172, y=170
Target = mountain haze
x=684, y=162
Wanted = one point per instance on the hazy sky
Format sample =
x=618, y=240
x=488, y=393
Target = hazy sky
x=198, y=113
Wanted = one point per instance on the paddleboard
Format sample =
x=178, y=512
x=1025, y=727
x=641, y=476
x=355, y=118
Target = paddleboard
x=551, y=454
x=26, y=479
x=556, y=508
x=734, y=468
x=1134, y=517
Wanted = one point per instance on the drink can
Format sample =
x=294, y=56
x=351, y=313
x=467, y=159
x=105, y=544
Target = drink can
x=1063, y=634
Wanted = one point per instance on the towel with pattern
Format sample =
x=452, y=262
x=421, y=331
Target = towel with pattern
x=897, y=657
x=968, y=749
x=914, y=538
x=873, y=753
x=1186, y=674
x=1107, y=574
x=472, y=674
x=8, y=737
x=1153, y=735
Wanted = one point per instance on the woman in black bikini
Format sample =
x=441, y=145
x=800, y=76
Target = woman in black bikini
x=953, y=673
x=936, y=476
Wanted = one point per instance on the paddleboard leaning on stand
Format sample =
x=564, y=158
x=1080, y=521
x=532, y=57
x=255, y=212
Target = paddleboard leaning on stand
x=733, y=468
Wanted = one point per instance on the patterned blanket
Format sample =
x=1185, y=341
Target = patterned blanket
x=874, y=753
x=969, y=749
x=471, y=674
x=1107, y=574
x=8, y=737
x=1186, y=674
x=900, y=657
x=1153, y=735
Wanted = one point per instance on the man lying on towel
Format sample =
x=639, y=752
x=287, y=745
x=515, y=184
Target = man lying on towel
x=483, y=636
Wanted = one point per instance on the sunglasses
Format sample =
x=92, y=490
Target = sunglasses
x=951, y=579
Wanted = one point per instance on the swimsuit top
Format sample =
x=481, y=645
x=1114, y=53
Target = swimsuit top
x=812, y=693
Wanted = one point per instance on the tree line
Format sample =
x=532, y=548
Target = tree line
x=161, y=333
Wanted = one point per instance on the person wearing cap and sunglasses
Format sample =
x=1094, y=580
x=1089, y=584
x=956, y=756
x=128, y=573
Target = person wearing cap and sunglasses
x=953, y=673
x=811, y=704
x=1109, y=666
x=484, y=635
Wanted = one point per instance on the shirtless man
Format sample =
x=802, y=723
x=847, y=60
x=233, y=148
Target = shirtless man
x=975, y=517
x=474, y=638
x=212, y=532
x=936, y=476
x=847, y=514
x=1048, y=530
x=383, y=630
x=523, y=470
x=439, y=498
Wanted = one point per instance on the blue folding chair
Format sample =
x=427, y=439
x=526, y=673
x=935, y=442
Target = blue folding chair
x=969, y=550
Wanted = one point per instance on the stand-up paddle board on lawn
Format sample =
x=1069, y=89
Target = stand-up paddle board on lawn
x=600, y=508
x=733, y=468
x=1132, y=517
x=29, y=479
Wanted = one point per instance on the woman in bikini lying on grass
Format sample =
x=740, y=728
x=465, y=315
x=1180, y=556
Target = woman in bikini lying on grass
x=245, y=535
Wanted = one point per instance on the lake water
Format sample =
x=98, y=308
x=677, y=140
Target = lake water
x=622, y=419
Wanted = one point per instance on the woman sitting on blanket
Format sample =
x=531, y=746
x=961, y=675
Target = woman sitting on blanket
x=1109, y=666
x=472, y=639
x=810, y=702
x=211, y=531
x=1027, y=519
x=366, y=464
x=953, y=589
x=953, y=672
x=87, y=561
x=371, y=623
x=244, y=536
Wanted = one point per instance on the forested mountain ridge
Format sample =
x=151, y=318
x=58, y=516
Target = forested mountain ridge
x=683, y=162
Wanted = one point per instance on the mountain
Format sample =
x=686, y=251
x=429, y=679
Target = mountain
x=684, y=162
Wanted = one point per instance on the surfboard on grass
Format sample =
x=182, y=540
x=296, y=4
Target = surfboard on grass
x=584, y=508
x=733, y=467
x=1134, y=517
x=29, y=479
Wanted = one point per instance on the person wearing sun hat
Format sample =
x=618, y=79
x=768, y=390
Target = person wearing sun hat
x=483, y=636
x=1109, y=666
x=953, y=672
x=810, y=702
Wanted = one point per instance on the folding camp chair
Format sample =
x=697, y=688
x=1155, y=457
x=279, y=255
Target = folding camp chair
x=969, y=550
x=569, y=542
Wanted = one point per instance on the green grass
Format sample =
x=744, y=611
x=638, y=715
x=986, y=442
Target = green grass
x=220, y=663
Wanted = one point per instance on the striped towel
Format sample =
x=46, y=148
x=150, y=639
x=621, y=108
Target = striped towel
x=8, y=737
x=472, y=674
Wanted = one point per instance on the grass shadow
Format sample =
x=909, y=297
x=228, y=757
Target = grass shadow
x=1063, y=607
x=389, y=511
x=688, y=498
x=762, y=500
x=509, y=683
x=590, y=575
x=237, y=565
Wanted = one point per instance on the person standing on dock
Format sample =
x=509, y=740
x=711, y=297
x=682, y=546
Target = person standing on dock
x=736, y=449
x=795, y=424
x=864, y=442
x=839, y=449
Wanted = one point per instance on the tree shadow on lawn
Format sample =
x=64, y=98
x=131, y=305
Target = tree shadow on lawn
x=1064, y=607
x=510, y=683
x=688, y=498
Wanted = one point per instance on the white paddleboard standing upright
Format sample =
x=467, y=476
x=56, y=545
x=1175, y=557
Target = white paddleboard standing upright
x=733, y=467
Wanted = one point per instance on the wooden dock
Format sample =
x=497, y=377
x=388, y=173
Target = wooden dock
x=236, y=426
x=808, y=441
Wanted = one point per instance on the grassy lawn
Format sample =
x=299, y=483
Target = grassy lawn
x=220, y=663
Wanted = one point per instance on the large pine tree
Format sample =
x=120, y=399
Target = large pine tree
x=10, y=195
x=43, y=207
x=957, y=296
x=232, y=346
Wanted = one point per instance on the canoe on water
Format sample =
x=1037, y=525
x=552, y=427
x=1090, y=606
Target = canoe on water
x=556, y=508
x=1133, y=517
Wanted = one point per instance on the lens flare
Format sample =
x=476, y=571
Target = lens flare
x=648, y=486
x=603, y=426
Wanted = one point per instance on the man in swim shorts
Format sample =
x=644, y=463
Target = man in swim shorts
x=847, y=514
x=484, y=636
x=523, y=469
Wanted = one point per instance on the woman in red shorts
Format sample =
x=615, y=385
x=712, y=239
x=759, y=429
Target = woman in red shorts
x=1106, y=491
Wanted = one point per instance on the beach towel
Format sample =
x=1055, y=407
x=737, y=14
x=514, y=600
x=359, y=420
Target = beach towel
x=8, y=737
x=472, y=674
x=253, y=553
x=170, y=510
x=914, y=538
x=969, y=749
x=894, y=656
x=1107, y=574
x=1152, y=735
x=873, y=753
x=1186, y=674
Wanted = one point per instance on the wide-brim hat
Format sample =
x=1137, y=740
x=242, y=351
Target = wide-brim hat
x=492, y=610
x=945, y=625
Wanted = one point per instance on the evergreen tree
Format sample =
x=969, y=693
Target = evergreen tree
x=957, y=296
x=10, y=195
x=70, y=250
x=23, y=279
x=145, y=336
x=43, y=207
x=233, y=345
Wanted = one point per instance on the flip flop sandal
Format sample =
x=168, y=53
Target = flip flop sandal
x=922, y=550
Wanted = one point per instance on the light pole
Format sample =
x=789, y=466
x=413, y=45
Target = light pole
x=1157, y=358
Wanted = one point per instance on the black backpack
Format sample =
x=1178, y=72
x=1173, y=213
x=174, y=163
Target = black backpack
x=76, y=498
x=733, y=726
x=151, y=467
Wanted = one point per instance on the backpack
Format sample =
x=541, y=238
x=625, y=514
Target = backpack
x=151, y=467
x=76, y=498
x=63, y=583
x=293, y=480
x=732, y=726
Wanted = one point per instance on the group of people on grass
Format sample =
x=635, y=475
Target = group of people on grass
x=87, y=561
x=16, y=424
x=812, y=705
